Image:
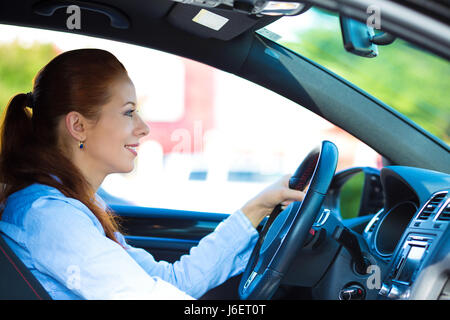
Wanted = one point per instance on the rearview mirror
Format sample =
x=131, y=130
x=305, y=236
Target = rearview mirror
x=357, y=37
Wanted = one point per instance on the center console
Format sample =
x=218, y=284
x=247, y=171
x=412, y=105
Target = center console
x=420, y=238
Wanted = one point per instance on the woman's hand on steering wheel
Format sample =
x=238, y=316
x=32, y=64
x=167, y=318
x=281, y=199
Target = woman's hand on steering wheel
x=278, y=193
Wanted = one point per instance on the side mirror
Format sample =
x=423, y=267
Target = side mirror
x=357, y=37
x=357, y=192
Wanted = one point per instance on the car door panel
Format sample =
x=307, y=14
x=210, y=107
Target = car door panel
x=165, y=233
x=168, y=234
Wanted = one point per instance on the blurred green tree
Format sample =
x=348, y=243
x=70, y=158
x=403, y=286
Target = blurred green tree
x=350, y=196
x=19, y=64
x=414, y=82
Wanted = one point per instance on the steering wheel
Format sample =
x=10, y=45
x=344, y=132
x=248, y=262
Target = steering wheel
x=285, y=232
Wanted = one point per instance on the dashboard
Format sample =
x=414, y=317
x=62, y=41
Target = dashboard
x=403, y=230
x=410, y=236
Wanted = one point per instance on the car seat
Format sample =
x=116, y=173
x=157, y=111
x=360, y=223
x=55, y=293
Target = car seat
x=16, y=281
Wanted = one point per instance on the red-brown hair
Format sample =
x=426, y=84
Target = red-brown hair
x=77, y=80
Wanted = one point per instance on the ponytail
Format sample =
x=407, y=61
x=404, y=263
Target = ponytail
x=16, y=128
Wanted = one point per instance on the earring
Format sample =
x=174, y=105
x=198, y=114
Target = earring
x=81, y=145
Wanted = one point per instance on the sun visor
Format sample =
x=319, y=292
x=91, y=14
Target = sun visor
x=215, y=23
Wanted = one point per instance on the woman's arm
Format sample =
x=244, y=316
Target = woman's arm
x=225, y=252
x=218, y=256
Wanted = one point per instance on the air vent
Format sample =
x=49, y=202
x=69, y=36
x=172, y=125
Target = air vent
x=428, y=210
x=445, y=214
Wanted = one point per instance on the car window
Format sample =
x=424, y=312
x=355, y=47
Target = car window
x=212, y=145
x=408, y=79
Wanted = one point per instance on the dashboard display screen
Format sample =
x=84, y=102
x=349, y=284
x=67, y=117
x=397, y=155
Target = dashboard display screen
x=411, y=263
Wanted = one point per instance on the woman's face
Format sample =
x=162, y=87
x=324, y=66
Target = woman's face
x=111, y=143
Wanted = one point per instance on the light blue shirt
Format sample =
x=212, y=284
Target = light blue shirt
x=63, y=244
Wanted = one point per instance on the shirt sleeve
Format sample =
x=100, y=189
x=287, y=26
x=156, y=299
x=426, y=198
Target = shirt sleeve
x=66, y=244
x=218, y=256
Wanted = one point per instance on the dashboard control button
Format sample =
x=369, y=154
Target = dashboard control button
x=384, y=291
x=405, y=295
x=394, y=293
x=353, y=292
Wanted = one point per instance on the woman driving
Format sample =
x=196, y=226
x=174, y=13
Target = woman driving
x=58, y=143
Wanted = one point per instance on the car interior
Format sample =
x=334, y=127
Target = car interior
x=398, y=246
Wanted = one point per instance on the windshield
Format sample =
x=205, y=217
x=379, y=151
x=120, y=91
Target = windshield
x=410, y=80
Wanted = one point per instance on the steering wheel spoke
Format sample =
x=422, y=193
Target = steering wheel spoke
x=285, y=231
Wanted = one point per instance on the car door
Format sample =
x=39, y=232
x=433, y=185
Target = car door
x=168, y=234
